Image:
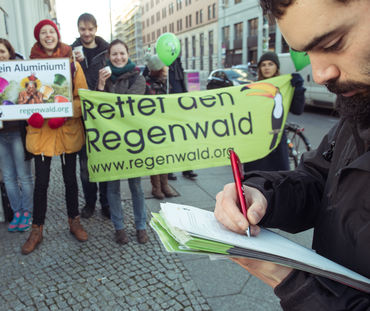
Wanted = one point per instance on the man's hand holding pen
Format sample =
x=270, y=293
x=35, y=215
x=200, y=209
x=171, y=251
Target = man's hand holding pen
x=228, y=213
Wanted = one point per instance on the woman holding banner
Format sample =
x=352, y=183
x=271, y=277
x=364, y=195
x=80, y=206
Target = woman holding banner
x=268, y=67
x=15, y=162
x=118, y=75
x=56, y=136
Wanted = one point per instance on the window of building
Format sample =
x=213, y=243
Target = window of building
x=214, y=10
x=172, y=27
x=147, y=6
x=253, y=27
x=144, y=39
x=209, y=12
x=170, y=8
x=152, y=20
x=190, y=18
x=226, y=34
x=178, y=5
x=158, y=17
x=158, y=32
x=153, y=35
x=148, y=37
x=238, y=31
x=201, y=50
x=164, y=29
x=237, y=1
x=200, y=16
x=193, y=51
x=143, y=25
x=210, y=50
x=197, y=18
x=186, y=21
x=151, y=3
x=186, y=52
x=164, y=12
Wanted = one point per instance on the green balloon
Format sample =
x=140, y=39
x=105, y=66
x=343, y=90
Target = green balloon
x=168, y=48
x=300, y=59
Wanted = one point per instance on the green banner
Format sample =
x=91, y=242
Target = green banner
x=140, y=135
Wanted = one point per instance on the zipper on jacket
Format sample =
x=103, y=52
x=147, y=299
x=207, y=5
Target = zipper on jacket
x=328, y=154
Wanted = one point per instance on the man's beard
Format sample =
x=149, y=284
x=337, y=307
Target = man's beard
x=356, y=108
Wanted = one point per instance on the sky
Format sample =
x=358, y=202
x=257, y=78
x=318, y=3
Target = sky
x=68, y=12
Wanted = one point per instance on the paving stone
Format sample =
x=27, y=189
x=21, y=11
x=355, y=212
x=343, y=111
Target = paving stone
x=64, y=274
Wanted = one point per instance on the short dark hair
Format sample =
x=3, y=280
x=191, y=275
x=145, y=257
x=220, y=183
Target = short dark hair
x=276, y=8
x=115, y=42
x=87, y=18
x=9, y=47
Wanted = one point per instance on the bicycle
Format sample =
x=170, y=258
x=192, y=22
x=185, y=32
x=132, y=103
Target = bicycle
x=297, y=142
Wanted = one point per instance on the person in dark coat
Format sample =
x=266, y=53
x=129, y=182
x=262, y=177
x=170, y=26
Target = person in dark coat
x=93, y=53
x=329, y=190
x=277, y=160
x=177, y=85
x=156, y=80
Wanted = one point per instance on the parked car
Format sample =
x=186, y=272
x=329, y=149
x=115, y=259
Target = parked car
x=228, y=77
x=316, y=95
x=251, y=70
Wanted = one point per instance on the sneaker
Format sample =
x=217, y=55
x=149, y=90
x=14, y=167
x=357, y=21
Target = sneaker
x=25, y=222
x=13, y=225
x=87, y=211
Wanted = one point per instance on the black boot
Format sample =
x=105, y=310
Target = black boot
x=172, y=176
x=87, y=211
x=189, y=174
x=105, y=211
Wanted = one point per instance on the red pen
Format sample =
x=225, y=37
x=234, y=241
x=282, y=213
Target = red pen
x=238, y=177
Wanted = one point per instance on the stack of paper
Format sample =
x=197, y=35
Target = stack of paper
x=188, y=229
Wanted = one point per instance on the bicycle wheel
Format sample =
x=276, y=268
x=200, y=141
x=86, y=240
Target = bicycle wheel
x=297, y=144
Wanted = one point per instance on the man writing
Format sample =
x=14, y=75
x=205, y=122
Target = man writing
x=94, y=50
x=329, y=191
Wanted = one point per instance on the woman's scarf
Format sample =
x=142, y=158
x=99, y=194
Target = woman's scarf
x=62, y=50
x=116, y=72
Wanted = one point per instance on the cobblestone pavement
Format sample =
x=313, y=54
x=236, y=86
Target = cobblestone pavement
x=64, y=274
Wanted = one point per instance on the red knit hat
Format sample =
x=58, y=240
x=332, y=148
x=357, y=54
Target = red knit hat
x=36, y=31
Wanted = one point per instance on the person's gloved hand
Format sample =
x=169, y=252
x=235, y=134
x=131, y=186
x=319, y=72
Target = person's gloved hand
x=55, y=123
x=297, y=80
x=36, y=120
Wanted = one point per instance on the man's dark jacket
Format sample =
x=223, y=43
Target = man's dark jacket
x=91, y=70
x=330, y=193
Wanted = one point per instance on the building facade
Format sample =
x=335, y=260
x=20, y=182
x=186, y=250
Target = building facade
x=18, y=19
x=212, y=33
x=245, y=33
x=194, y=22
x=128, y=29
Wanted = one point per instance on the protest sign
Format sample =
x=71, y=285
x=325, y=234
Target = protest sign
x=38, y=85
x=139, y=135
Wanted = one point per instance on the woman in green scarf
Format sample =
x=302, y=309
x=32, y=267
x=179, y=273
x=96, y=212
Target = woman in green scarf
x=119, y=75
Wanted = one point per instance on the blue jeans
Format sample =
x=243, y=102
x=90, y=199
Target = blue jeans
x=90, y=189
x=16, y=171
x=114, y=200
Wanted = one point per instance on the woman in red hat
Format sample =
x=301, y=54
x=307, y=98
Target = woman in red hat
x=55, y=136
